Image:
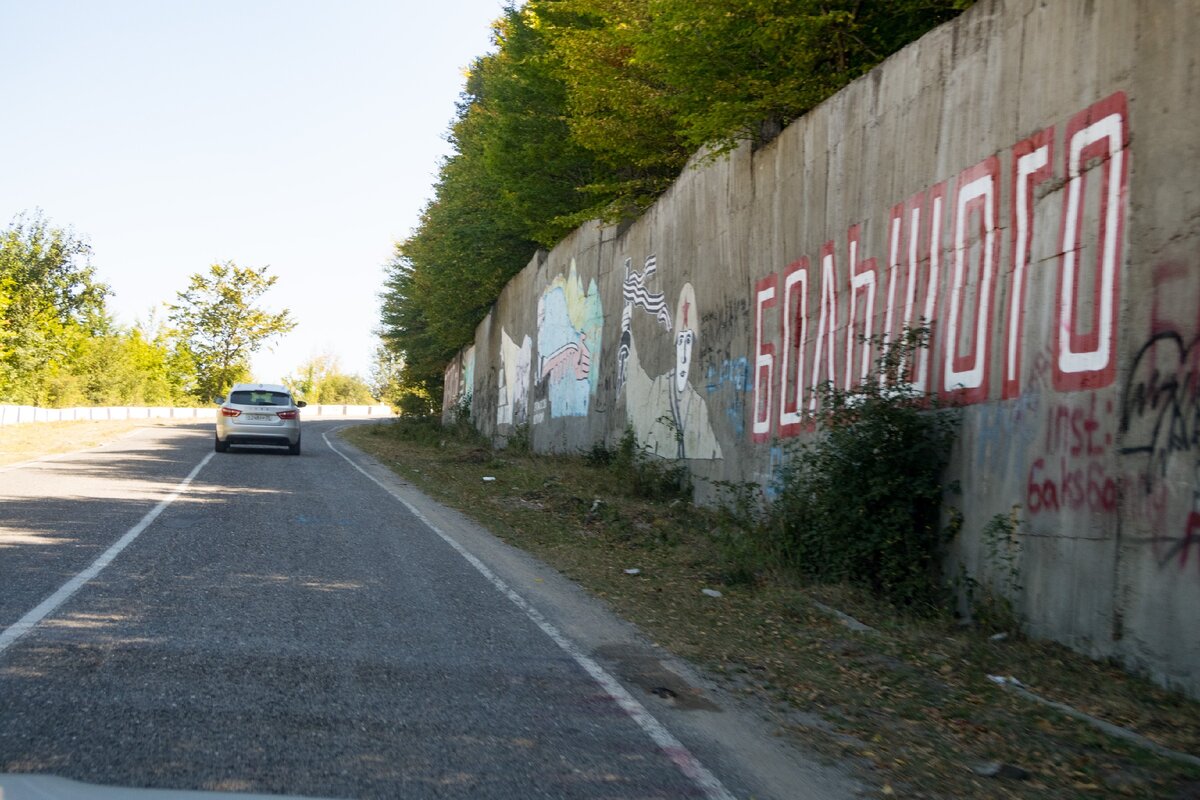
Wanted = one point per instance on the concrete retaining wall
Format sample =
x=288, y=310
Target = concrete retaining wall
x=1026, y=177
x=14, y=415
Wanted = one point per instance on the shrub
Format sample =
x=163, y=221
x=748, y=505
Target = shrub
x=861, y=501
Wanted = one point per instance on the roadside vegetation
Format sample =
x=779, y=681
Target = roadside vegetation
x=590, y=109
x=826, y=608
x=60, y=346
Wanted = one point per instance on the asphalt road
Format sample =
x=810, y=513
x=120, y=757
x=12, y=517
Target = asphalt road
x=312, y=626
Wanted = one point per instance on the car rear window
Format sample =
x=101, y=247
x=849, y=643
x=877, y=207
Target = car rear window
x=260, y=399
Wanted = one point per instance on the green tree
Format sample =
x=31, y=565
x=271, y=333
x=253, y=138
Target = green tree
x=741, y=70
x=445, y=277
x=321, y=380
x=126, y=367
x=218, y=318
x=516, y=123
x=49, y=300
x=341, y=389
x=384, y=375
x=618, y=105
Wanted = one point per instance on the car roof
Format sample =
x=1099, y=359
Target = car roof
x=259, y=387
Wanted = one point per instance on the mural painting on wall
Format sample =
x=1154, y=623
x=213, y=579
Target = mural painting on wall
x=637, y=294
x=570, y=322
x=459, y=378
x=452, y=383
x=668, y=415
x=942, y=267
x=468, y=374
x=513, y=395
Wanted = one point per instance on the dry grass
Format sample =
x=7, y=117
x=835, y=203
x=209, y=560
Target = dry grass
x=35, y=439
x=910, y=704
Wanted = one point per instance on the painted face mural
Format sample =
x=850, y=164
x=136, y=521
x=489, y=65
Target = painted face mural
x=685, y=336
x=668, y=415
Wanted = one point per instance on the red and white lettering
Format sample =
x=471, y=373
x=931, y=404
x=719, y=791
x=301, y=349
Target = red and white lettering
x=965, y=226
x=862, y=281
x=931, y=282
x=903, y=274
x=827, y=324
x=1031, y=164
x=794, y=335
x=976, y=196
x=1087, y=359
x=764, y=360
x=894, y=276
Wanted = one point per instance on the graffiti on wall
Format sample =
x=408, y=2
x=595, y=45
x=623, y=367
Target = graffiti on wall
x=668, y=415
x=942, y=266
x=731, y=376
x=1160, y=416
x=1072, y=473
x=452, y=384
x=459, y=378
x=513, y=389
x=569, y=322
x=468, y=373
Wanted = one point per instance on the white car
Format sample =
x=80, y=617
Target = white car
x=259, y=413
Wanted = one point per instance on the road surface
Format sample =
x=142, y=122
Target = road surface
x=312, y=626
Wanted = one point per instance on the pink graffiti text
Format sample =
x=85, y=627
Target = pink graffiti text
x=1063, y=486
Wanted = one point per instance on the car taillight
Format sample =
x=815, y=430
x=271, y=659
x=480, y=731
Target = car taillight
x=230, y=412
x=287, y=414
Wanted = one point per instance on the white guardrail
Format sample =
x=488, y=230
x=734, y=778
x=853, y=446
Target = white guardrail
x=15, y=415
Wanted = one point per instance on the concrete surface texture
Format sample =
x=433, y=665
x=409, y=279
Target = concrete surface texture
x=1026, y=178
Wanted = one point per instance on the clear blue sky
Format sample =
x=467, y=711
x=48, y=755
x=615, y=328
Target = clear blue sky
x=172, y=134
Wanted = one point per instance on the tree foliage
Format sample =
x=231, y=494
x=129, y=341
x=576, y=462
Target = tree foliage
x=589, y=109
x=59, y=345
x=221, y=325
x=321, y=380
x=743, y=69
x=49, y=302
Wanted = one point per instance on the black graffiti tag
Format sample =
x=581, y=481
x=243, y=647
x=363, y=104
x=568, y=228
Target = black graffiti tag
x=1160, y=403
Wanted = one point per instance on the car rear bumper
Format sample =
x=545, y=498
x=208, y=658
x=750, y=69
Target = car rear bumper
x=230, y=432
x=278, y=440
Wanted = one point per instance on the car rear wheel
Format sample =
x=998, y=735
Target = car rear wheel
x=220, y=446
x=294, y=449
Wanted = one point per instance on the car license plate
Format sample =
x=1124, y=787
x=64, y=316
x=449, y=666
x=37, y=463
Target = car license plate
x=259, y=417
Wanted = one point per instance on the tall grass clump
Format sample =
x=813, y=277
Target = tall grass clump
x=643, y=475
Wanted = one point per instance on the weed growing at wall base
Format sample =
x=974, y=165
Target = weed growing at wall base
x=990, y=600
x=647, y=476
x=860, y=502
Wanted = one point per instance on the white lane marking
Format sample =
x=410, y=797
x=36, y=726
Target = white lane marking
x=687, y=763
x=28, y=622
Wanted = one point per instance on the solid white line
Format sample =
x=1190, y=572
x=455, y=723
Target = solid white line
x=28, y=622
x=687, y=763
